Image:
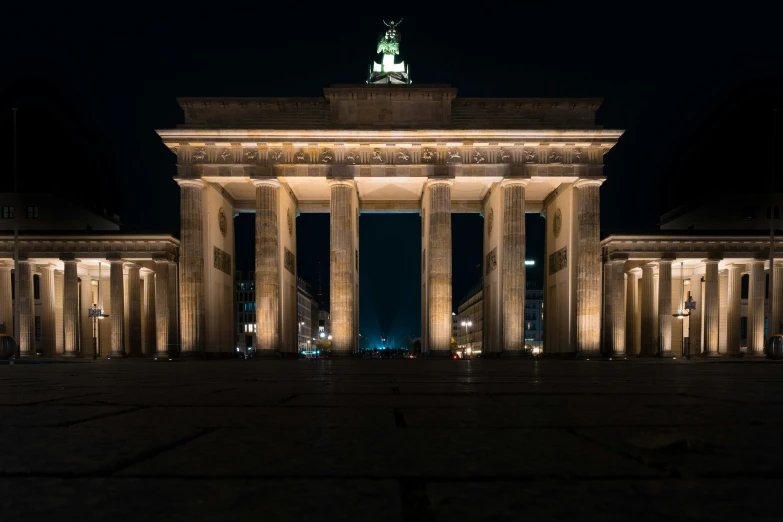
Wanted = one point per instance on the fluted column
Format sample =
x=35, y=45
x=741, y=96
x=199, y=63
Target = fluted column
x=775, y=326
x=513, y=263
x=268, y=266
x=47, y=311
x=134, y=310
x=6, y=300
x=439, y=269
x=694, y=320
x=148, y=312
x=648, y=311
x=588, y=267
x=341, y=245
x=85, y=303
x=665, y=308
x=756, y=290
x=614, y=308
x=117, y=296
x=173, y=330
x=723, y=290
x=191, y=267
x=162, y=310
x=59, y=303
x=711, y=308
x=70, y=308
x=733, y=309
x=632, y=312
x=24, y=291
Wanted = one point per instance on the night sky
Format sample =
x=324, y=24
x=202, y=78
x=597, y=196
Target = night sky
x=692, y=87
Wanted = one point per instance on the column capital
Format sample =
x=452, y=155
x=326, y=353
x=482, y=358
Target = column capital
x=617, y=257
x=146, y=271
x=439, y=181
x=515, y=181
x=341, y=183
x=265, y=182
x=130, y=266
x=69, y=257
x=735, y=266
x=712, y=260
x=636, y=271
x=589, y=182
x=190, y=182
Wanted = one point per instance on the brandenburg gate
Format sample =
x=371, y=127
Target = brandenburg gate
x=389, y=146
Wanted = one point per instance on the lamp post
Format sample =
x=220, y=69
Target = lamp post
x=467, y=324
x=96, y=313
x=682, y=313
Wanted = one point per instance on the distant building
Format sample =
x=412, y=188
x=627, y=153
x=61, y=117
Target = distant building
x=731, y=212
x=308, y=314
x=471, y=311
x=48, y=212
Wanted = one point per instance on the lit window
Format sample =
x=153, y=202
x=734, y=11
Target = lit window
x=32, y=212
x=8, y=212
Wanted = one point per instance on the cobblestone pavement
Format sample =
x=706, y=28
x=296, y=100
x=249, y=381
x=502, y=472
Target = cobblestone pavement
x=377, y=440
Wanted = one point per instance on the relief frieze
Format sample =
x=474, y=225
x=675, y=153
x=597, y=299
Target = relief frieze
x=558, y=261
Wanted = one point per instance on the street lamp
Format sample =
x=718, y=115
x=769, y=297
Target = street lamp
x=682, y=313
x=96, y=313
x=467, y=324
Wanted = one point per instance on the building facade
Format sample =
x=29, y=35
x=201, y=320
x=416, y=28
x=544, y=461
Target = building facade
x=470, y=319
x=245, y=328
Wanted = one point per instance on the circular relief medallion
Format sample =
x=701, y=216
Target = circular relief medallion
x=490, y=221
x=222, y=221
x=290, y=222
x=557, y=222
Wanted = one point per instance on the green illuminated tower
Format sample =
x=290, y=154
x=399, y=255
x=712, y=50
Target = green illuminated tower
x=387, y=71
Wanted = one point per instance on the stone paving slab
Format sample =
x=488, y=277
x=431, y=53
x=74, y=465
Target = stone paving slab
x=409, y=440
x=382, y=453
x=173, y=500
x=80, y=450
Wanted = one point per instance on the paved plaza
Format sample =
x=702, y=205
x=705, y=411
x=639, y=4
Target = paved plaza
x=411, y=440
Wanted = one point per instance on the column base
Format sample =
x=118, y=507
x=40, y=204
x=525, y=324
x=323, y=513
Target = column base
x=618, y=355
x=70, y=355
x=588, y=355
x=117, y=355
x=162, y=355
x=708, y=355
x=665, y=355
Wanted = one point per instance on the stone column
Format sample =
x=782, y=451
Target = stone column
x=342, y=271
x=134, y=310
x=614, y=308
x=6, y=300
x=24, y=292
x=775, y=326
x=632, y=312
x=665, y=308
x=48, y=323
x=191, y=267
x=513, y=263
x=588, y=267
x=723, y=290
x=648, y=311
x=70, y=309
x=117, y=296
x=733, y=309
x=694, y=320
x=85, y=303
x=268, y=266
x=173, y=330
x=439, y=269
x=162, y=310
x=756, y=290
x=59, y=285
x=148, y=313
x=711, y=308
